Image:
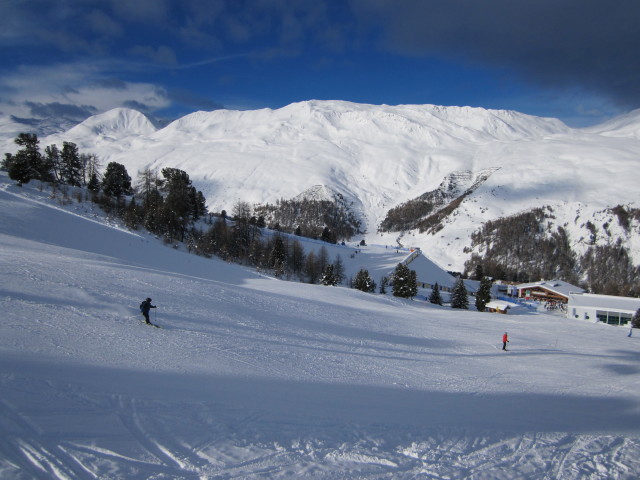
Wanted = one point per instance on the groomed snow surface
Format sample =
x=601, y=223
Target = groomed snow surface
x=251, y=377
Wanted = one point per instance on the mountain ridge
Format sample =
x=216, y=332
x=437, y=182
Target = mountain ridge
x=379, y=156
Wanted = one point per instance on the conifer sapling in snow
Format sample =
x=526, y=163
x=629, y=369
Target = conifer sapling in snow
x=435, y=296
x=384, y=282
x=363, y=281
x=405, y=283
x=459, y=296
x=328, y=276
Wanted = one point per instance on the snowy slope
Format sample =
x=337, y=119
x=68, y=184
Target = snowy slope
x=378, y=156
x=251, y=377
x=627, y=125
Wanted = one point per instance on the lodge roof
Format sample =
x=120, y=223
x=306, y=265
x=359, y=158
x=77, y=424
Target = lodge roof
x=556, y=286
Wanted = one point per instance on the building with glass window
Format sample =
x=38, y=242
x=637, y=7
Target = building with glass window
x=604, y=308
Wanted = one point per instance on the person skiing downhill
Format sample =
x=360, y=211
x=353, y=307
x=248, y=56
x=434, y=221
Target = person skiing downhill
x=145, y=306
x=505, y=340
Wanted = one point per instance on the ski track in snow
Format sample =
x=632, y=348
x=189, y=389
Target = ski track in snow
x=255, y=378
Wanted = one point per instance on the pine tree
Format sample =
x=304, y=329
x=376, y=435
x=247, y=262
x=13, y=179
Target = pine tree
x=178, y=207
x=363, y=281
x=328, y=277
x=94, y=183
x=278, y=256
x=479, y=272
x=459, y=296
x=53, y=160
x=133, y=214
x=116, y=181
x=27, y=163
x=323, y=258
x=70, y=165
x=18, y=168
x=338, y=269
x=483, y=295
x=384, y=283
x=91, y=167
x=327, y=235
x=635, y=321
x=297, y=256
x=311, y=269
x=405, y=283
x=435, y=296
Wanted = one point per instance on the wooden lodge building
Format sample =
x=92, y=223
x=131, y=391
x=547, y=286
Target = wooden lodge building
x=547, y=291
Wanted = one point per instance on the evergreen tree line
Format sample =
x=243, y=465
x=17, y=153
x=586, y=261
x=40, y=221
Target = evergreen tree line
x=428, y=212
x=525, y=248
x=424, y=213
x=405, y=216
x=66, y=166
x=626, y=215
x=403, y=282
x=241, y=240
x=328, y=220
x=460, y=295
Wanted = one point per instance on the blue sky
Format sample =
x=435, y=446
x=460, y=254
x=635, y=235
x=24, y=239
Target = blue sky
x=577, y=60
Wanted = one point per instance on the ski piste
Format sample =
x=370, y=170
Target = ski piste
x=150, y=324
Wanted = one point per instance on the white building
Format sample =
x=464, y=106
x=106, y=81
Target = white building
x=605, y=308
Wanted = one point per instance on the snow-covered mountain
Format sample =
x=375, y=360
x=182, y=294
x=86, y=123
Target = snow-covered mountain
x=379, y=156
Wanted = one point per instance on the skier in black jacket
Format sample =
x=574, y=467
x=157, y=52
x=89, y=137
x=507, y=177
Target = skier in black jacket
x=145, y=306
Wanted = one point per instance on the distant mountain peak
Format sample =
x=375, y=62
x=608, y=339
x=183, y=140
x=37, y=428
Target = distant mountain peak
x=118, y=122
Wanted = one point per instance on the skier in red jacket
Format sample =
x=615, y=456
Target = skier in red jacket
x=505, y=340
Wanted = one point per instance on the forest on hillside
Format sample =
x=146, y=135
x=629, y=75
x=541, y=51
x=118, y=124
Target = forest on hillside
x=528, y=247
x=329, y=220
x=428, y=212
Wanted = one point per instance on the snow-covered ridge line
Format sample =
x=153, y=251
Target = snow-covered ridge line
x=378, y=157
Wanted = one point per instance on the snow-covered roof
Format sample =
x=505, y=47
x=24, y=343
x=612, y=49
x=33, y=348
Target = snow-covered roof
x=557, y=286
x=498, y=305
x=604, y=302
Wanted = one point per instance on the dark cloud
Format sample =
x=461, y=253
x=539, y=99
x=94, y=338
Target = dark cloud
x=585, y=44
x=55, y=109
x=32, y=122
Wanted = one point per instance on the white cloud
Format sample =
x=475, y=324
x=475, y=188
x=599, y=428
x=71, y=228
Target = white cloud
x=76, y=84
